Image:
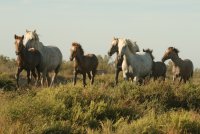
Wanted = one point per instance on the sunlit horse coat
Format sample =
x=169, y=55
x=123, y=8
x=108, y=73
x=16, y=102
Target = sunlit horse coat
x=137, y=65
x=51, y=55
x=114, y=49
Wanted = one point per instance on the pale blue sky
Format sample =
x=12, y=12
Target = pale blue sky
x=155, y=24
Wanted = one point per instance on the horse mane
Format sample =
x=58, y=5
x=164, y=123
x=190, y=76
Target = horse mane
x=174, y=49
x=78, y=45
x=149, y=51
x=133, y=47
x=35, y=36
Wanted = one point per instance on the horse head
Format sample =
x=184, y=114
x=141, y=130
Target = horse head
x=29, y=37
x=114, y=47
x=149, y=51
x=19, y=44
x=169, y=53
x=122, y=50
x=76, y=50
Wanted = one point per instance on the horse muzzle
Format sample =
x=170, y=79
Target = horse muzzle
x=17, y=53
x=71, y=58
x=163, y=59
x=120, y=57
x=109, y=54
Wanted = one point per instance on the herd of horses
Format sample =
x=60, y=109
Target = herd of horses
x=135, y=64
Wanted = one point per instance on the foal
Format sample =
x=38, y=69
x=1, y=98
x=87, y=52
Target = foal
x=83, y=63
x=28, y=60
x=181, y=68
x=159, y=68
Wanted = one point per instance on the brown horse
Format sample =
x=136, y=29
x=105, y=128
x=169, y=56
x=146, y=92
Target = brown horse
x=83, y=63
x=181, y=68
x=159, y=68
x=26, y=59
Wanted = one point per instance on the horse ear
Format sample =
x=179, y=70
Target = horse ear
x=15, y=36
x=143, y=50
x=22, y=37
x=115, y=38
x=27, y=31
x=34, y=31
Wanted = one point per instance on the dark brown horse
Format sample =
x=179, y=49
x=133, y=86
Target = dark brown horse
x=26, y=59
x=83, y=63
x=181, y=68
x=159, y=68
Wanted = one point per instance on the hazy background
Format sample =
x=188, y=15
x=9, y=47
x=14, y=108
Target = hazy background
x=155, y=24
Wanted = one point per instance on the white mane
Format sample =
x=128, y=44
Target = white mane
x=133, y=47
x=31, y=40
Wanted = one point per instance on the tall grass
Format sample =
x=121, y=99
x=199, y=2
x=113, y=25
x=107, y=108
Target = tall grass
x=157, y=107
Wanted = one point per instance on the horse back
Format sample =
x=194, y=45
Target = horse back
x=159, y=69
x=188, y=67
x=51, y=57
x=91, y=61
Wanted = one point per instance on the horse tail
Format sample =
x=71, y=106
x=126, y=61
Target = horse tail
x=192, y=73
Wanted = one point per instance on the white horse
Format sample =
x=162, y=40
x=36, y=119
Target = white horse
x=135, y=64
x=114, y=49
x=51, y=56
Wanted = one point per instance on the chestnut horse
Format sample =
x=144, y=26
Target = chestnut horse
x=181, y=68
x=26, y=59
x=83, y=63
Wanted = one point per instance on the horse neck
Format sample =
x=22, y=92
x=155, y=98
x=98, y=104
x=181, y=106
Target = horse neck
x=177, y=60
x=37, y=45
x=23, y=55
x=128, y=54
x=79, y=59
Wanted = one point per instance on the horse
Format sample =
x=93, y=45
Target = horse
x=51, y=56
x=26, y=59
x=158, y=69
x=83, y=63
x=181, y=68
x=137, y=65
x=114, y=49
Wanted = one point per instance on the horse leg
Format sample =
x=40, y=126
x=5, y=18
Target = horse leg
x=116, y=75
x=174, y=78
x=28, y=76
x=75, y=76
x=44, y=77
x=126, y=77
x=19, y=70
x=84, y=79
x=93, y=75
x=54, y=75
x=138, y=80
x=89, y=75
x=38, y=78
x=184, y=79
x=34, y=74
x=52, y=79
x=48, y=79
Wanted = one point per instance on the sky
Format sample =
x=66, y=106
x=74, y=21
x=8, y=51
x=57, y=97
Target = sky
x=154, y=24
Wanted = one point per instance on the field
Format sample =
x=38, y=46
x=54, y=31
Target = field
x=156, y=107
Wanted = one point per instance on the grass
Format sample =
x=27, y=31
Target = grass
x=157, y=107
